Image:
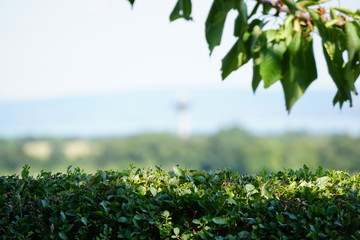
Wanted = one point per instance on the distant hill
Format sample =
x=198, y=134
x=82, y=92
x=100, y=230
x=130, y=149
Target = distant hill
x=154, y=111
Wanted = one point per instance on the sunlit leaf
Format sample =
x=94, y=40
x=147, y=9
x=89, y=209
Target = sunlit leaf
x=176, y=231
x=84, y=220
x=219, y=220
x=235, y=58
x=153, y=191
x=322, y=181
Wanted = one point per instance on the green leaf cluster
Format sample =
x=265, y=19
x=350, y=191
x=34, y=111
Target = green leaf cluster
x=283, y=51
x=180, y=204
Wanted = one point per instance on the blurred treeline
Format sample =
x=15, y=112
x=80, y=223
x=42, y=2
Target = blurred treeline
x=231, y=148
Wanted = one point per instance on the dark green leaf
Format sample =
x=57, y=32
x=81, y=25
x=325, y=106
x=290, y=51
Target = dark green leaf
x=292, y=92
x=122, y=219
x=132, y=2
x=215, y=22
x=256, y=7
x=245, y=47
x=182, y=10
x=299, y=57
x=334, y=44
x=256, y=74
x=25, y=172
x=63, y=236
x=235, y=58
x=290, y=215
x=241, y=24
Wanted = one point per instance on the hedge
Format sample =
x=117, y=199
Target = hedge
x=184, y=204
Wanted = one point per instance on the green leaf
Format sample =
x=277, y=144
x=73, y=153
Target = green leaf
x=104, y=205
x=243, y=234
x=122, y=220
x=290, y=215
x=132, y=2
x=249, y=187
x=299, y=56
x=271, y=62
x=243, y=49
x=241, y=24
x=196, y=221
x=333, y=52
x=182, y=9
x=255, y=37
x=232, y=201
x=63, y=236
x=219, y=220
x=153, y=191
x=352, y=36
x=322, y=181
x=292, y=92
x=308, y=3
x=84, y=220
x=176, y=231
x=21, y=188
x=265, y=193
x=215, y=22
x=346, y=11
x=256, y=7
x=63, y=217
x=305, y=59
x=166, y=213
x=25, y=171
x=255, y=42
x=256, y=79
x=235, y=58
x=335, y=42
x=177, y=171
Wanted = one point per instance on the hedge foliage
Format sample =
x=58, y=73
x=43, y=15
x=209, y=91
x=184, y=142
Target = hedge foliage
x=182, y=204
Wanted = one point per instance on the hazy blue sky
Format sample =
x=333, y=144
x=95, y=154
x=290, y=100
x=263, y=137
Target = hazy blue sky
x=52, y=48
x=70, y=48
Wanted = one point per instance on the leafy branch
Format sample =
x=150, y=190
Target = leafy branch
x=285, y=52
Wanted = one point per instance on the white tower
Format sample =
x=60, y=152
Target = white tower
x=184, y=119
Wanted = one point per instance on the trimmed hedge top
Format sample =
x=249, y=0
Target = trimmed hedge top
x=181, y=204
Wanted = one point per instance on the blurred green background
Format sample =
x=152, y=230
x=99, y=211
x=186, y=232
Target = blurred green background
x=233, y=148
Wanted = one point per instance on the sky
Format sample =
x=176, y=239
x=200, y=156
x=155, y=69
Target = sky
x=65, y=48
x=52, y=48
